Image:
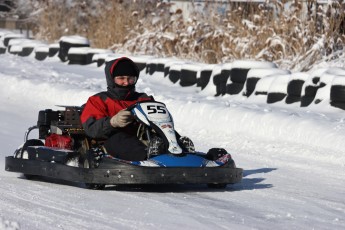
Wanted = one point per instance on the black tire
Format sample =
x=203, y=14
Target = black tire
x=337, y=93
x=64, y=48
x=204, y=79
x=31, y=142
x=2, y=50
x=53, y=51
x=234, y=88
x=292, y=99
x=160, y=67
x=140, y=65
x=238, y=75
x=275, y=97
x=41, y=55
x=166, y=70
x=188, y=77
x=295, y=87
x=26, y=51
x=250, y=86
x=217, y=186
x=339, y=105
x=29, y=177
x=309, y=95
x=174, y=75
x=151, y=68
x=19, y=153
x=87, y=161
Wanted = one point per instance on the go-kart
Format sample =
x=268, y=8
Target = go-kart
x=63, y=151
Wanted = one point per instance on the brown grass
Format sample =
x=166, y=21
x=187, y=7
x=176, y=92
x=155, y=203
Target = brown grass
x=303, y=33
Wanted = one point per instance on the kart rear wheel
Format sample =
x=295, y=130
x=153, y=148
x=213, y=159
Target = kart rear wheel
x=22, y=153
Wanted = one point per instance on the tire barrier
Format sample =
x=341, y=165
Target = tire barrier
x=239, y=71
x=204, y=76
x=9, y=36
x=220, y=80
x=24, y=48
x=78, y=56
x=175, y=72
x=41, y=52
x=151, y=67
x=337, y=92
x=189, y=74
x=140, y=62
x=254, y=75
x=323, y=92
x=66, y=42
x=155, y=65
x=254, y=80
x=53, y=49
x=278, y=88
x=263, y=86
x=84, y=55
x=310, y=87
x=100, y=58
x=294, y=87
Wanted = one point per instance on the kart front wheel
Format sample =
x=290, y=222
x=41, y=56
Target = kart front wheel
x=217, y=186
x=86, y=162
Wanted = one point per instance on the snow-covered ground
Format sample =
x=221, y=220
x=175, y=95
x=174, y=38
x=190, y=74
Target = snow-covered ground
x=293, y=159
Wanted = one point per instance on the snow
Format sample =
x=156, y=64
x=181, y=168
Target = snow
x=279, y=84
x=247, y=64
x=42, y=48
x=293, y=157
x=75, y=39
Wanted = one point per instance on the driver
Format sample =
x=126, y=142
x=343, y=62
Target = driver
x=105, y=116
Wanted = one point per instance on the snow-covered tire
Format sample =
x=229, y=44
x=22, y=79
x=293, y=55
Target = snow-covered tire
x=340, y=105
x=141, y=66
x=166, y=70
x=151, y=68
x=26, y=51
x=309, y=95
x=292, y=99
x=41, y=55
x=77, y=59
x=204, y=78
x=220, y=82
x=275, y=97
x=294, y=91
x=337, y=93
x=53, y=51
x=234, y=88
x=188, y=78
x=238, y=75
x=174, y=76
x=250, y=86
x=295, y=87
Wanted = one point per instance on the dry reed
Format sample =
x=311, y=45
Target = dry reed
x=302, y=33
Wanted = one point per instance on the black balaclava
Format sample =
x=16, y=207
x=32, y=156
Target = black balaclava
x=120, y=67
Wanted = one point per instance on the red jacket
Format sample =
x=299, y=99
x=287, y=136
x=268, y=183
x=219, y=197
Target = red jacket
x=100, y=108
